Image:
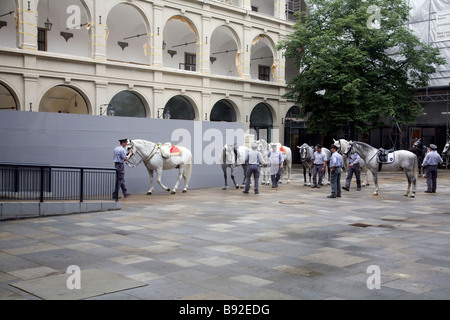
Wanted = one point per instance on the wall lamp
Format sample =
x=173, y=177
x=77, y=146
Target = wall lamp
x=66, y=35
x=166, y=115
x=109, y=110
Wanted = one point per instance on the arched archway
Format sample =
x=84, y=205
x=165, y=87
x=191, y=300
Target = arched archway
x=224, y=55
x=180, y=108
x=7, y=24
x=128, y=104
x=68, y=34
x=223, y=111
x=63, y=99
x=128, y=34
x=261, y=122
x=7, y=99
x=262, y=66
x=180, y=44
x=294, y=131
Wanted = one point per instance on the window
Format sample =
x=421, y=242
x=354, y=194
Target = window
x=254, y=8
x=189, y=61
x=42, y=39
x=264, y=73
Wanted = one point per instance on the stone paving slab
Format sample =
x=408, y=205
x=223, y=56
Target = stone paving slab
x=95, y=283
x=287, y=243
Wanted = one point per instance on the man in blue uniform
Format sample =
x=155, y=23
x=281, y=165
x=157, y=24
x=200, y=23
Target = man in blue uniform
x=430, y=163
x=319, y=161
x=253, y=159
x=120, y=157
x=353, y=166
x=336, y=164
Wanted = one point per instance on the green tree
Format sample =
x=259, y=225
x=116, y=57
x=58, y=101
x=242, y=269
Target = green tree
x=358, y=64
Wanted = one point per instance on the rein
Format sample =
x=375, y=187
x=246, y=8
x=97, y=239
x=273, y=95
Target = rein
x=351, y=148
x=136, y=163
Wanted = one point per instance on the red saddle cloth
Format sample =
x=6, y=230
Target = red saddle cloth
x=283, y=150
x=175, y=151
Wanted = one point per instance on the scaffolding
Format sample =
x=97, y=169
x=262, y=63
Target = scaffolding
x=430, y=21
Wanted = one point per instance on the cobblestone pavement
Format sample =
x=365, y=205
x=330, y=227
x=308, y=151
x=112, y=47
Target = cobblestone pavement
x=285, y=243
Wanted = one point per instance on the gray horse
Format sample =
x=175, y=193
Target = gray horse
x=404, y=161
x=306, y=154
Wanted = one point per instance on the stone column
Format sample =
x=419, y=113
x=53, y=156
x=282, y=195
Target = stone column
x=158, y=102
x=27, y=25
x=204, y=46
x=101, y=100
x=158, y=36
x=31, y=92
x=99, y=32
x=280, y=9
x=247, y=51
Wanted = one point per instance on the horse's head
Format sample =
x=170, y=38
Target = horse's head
x=341, y=145
x=417, y=144
x=303, y=149
x=130, y=146
x=349, y=148
x=446, y=148
x=263, y=146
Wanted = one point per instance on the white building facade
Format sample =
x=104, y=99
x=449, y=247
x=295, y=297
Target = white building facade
x=201, y=60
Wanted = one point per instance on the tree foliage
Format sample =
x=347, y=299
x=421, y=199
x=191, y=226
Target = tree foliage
x=354, y=69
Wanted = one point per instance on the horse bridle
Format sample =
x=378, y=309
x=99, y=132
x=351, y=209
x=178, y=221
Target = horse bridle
x=133, y=158
x=306, y=157
x=350, y=144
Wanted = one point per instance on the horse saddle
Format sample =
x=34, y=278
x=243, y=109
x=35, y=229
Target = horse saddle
x=386, y=156
x=168, y=150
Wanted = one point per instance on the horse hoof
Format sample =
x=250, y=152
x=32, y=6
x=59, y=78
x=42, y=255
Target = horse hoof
x=289, y=182
x=224, y=188
x=149, y=193
x=412, y=196
x=184, y=191
x=405, y=194
x=375, y=194
x=173, y=192
x=305, y=184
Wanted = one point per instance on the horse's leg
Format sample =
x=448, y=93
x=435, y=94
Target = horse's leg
x=159, y=174
x=409, y=184
x=309, y=173
x=244, y=181
x=187, y=176
x=289, y=172
x=328, y=171
x=180, y=176
x=414, y=184
x=232, y=168
x=304, y=175
x=150, y=192
x=375, y=180
x=224, y=169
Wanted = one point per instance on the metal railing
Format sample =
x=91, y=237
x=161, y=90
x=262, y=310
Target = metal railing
x=44, y=183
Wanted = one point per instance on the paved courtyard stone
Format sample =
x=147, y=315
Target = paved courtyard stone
x=289, y=243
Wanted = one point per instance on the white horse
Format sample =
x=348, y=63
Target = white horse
x=157, y=157
x=232, y=157
x=446, y=153
x=264, y=149
x=342, y=145
x=404, y=161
